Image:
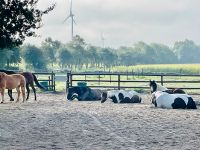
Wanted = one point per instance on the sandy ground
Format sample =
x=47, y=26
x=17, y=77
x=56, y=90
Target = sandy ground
x=54, y=123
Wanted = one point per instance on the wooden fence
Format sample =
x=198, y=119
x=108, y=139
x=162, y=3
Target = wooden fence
x=133, y=80
x=46, y=79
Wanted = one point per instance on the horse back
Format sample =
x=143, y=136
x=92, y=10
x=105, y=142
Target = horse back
x=14, y=80
x=28, y=76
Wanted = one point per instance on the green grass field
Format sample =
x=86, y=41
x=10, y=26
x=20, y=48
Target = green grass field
x=164, y=68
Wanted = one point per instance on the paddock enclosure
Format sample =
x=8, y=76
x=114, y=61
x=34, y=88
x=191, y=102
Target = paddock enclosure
x=132, y=80
x=54, y=123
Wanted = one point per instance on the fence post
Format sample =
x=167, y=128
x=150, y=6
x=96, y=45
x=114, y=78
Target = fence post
x=161, y=80
x=110, y=78
x=118, y=81
x=52, y=81
x=49, y=84
x=99, y=77
x=67, y=82
x=127, y=75
x=70, y=79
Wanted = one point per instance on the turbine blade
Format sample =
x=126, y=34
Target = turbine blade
x=66, y=18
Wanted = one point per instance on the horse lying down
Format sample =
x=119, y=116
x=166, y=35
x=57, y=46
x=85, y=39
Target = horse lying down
x=121, y=96
x=157, y=87
x=175, y=101
x=84, y=94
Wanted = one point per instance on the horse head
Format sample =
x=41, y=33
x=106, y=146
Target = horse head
x=72, y=93
x=104, y=97
x=153, y=85
x=121, y=96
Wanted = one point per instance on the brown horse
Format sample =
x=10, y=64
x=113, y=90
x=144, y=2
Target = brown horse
x=11, y=82
x=30, y=79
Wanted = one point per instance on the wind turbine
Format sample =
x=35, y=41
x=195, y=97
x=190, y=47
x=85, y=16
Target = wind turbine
x=71, y=15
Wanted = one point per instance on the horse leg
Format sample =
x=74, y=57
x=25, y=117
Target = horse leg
x=2, y=95
x=18, y=94
x=23, y=92
x=28, y=91
x=32, y=86
x=10, y=95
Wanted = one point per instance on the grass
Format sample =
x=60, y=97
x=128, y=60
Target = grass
x=164, y=68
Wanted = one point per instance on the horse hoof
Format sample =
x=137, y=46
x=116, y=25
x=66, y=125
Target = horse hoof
x=1, y=102
x=11, y=99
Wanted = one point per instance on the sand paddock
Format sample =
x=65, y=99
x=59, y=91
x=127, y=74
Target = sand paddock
x=54, y=123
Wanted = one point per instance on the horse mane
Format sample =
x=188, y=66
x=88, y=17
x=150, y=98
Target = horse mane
x=160, y=87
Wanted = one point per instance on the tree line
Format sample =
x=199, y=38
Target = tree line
x=77, y=54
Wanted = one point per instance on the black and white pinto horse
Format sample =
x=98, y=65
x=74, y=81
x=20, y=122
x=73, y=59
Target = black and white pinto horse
x=157, y=87
x=84, y=94
x=121, y=96
x=174, y=101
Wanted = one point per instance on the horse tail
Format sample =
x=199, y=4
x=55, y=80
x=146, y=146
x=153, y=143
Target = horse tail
x=37, y=83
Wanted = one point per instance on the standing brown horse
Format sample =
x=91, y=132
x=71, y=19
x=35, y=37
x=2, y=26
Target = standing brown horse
x=11, y=82
x=30, y=79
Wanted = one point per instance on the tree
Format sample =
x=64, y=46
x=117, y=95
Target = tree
x=108, y=58
x=19, y=19
x=34, y=57
x=164, y=55
x=10, y=56
x=129, y=56
x=77, y=46
x=187, y=51
x=50, y=48
x=64, y=57
x=92, y=56
x=147, y=53
x=5, y=55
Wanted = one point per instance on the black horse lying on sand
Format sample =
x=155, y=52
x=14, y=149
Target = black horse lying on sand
x=84, y=94
x=30, y=79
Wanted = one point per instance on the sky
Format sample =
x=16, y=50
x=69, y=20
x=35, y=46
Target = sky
x=122, y=22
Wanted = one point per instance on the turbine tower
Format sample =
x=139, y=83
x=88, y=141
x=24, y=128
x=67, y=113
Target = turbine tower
x=103, y=40
x=71, y=15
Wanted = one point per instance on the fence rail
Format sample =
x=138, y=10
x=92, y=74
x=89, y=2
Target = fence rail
x=122, y=80
x=48, y=78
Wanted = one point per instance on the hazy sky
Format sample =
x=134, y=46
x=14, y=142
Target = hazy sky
x=123, y=22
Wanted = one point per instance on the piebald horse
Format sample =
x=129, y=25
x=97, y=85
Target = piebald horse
x=11, y=82
x=175, y=101
x=121, y=96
